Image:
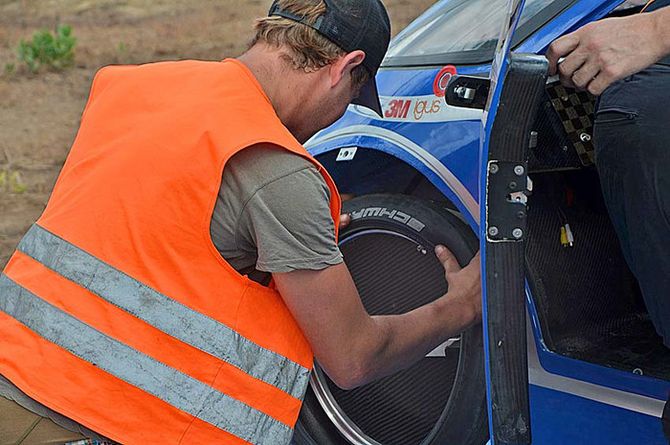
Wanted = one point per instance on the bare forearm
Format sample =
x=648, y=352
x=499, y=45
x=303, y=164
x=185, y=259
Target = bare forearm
x=402, y=340
x=662, y=25
x=355, y=348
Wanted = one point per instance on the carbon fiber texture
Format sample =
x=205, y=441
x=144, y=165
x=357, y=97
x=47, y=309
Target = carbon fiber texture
x=587, y=298
x=586, y=290
x=394, y=275
x=506, y=313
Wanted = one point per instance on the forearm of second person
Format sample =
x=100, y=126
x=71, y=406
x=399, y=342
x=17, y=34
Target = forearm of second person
x=662, y=24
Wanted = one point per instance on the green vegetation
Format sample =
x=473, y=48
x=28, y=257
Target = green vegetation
x=11, y=181
x=122, y=52
x=9, y=69
x=50, y=50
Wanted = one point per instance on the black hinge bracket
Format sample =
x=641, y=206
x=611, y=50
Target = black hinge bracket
x=468, y=92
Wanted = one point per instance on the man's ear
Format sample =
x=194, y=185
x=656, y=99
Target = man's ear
x=343, y=67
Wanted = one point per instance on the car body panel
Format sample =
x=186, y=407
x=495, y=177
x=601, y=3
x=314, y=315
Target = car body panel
x=594, y=374
x=444, y=147
x=560, y=418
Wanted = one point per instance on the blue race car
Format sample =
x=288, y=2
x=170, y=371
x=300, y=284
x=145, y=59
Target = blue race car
x=478, y=149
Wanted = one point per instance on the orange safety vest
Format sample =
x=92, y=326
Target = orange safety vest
x=116, y=309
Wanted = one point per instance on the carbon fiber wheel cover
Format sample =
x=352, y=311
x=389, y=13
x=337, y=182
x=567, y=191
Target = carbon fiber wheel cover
x=394, y=275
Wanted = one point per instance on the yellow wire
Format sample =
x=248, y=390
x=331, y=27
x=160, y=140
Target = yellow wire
x=647, y=5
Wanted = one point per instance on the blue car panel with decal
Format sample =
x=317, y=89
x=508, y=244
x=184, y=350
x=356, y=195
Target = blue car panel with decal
x=572, y=401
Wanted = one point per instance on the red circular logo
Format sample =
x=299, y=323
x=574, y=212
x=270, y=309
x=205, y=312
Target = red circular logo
x=442, y=80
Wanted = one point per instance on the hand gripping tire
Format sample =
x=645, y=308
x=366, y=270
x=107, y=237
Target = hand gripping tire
x=388, y=248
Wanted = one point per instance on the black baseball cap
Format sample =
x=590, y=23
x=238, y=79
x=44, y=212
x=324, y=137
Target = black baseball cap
x=353, y=25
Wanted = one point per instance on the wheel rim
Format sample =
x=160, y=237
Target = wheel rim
x=404, y=409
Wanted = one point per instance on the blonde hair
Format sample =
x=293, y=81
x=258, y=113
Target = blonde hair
x=307, y=49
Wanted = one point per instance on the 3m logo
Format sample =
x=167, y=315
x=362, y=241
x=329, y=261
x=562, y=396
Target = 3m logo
x=398, y=109
x=395, y=215
x=415, y=109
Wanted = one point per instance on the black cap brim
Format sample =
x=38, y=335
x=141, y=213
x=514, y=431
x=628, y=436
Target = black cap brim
x=369, y=97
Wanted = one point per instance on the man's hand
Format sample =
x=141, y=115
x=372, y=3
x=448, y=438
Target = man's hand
x=604, y=52
x=465, y=284
x=345, y=220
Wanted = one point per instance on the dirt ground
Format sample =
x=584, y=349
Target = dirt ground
x=39, y=114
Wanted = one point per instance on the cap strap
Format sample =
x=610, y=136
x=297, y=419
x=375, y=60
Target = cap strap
x=276, y=10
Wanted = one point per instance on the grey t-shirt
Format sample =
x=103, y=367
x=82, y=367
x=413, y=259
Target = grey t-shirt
x=272, y=215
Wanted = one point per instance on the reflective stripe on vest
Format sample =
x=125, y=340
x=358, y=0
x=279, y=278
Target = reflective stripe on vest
x=165, y=314
x=140, y=370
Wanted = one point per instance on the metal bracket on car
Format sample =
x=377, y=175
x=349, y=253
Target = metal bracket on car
x=346, y=154
x=508, y=190
x=468, y=92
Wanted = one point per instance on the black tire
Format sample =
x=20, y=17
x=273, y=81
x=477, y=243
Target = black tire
x=410, y=408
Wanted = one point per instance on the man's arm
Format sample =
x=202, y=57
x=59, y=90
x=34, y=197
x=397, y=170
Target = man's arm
x=604, y=52
x=355, y=348
x=277, y=204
